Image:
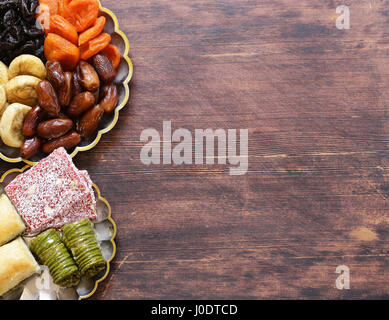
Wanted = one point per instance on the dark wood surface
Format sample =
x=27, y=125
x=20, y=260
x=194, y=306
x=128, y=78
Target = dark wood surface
x=315, y=101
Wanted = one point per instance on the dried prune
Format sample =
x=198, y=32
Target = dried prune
x=19, y=32
x=9, y=18
x=6, y=4
x=27, y=47
x=33, y=32
x=28, y=8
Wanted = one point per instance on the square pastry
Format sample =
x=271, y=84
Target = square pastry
x=16, y=264
x=11, y=224
x=52, y=193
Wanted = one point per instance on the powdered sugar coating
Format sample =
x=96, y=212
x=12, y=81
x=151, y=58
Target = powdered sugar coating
x=52, y=193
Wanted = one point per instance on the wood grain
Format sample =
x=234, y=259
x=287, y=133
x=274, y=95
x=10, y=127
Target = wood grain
x=315, y=101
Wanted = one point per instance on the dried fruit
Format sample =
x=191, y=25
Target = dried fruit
x=113, y=54
x=77, y=87
x=62, y=5
x=3, y=74
x=33, y=118
x=110, y=97
x=52, y=5
x=67, y=141
x=55, y=74
x=94, y=46
x=90, y=120
x=22, y=89
x=96, y=94
x=27, y=9
x=59, y=49
x=3, y=100
x=30, y=147
x=11, y=124
x=27, y=64
x=92, y=32
x=47, y=98
x=80, y=104
x=88, y=76
x=80, y=60
x=65, y=92
x=103, y=67
x=43, y=17
x=55, y=128
x=18, y=31
x=82, y=14
x=63, y=28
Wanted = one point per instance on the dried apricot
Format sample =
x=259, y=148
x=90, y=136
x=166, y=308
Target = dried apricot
x=43, y=17
x=59, y=49
x=51, y=4
x=94, y=46
x=113, y=54
x=63, y=28
x=92, y=32
x=46, y=9
x=62, y=5
x=82, y=14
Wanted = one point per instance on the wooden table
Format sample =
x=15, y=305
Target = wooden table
x=315, y=102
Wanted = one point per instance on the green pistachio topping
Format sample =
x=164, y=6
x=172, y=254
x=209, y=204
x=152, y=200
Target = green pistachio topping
x=80, y=239
x=51, y=251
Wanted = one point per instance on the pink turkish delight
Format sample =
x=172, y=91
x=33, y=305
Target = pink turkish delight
x=52, y=193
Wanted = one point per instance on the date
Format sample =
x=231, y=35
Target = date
x=90, y=120
x=32, y=120
x=30, y=147
x=54, y=128
x=65, y=92
x=89, y=77
x=77, y=87
x=55, y=74
x=103, y=67
x=47, y=98
x=110, y=97
x=80, y=103
x=67, y=141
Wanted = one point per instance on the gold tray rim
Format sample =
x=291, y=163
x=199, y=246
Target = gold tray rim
x=117, y=109
x=21, y=170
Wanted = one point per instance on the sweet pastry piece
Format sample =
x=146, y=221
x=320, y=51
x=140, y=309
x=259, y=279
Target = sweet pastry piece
x=80, y=239
x=16, y=264
x=11, y=224
x=51, y=251
x=52, y=193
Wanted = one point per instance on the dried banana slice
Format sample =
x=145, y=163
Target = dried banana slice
x=22, y=89
x=3, y=99
x=3, y=73
x=27, y=64
x=11, y=124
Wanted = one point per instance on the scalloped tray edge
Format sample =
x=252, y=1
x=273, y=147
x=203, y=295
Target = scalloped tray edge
x=21, y=170
x=125, y=83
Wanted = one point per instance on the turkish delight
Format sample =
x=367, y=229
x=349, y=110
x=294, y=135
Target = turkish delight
x=52, y=193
